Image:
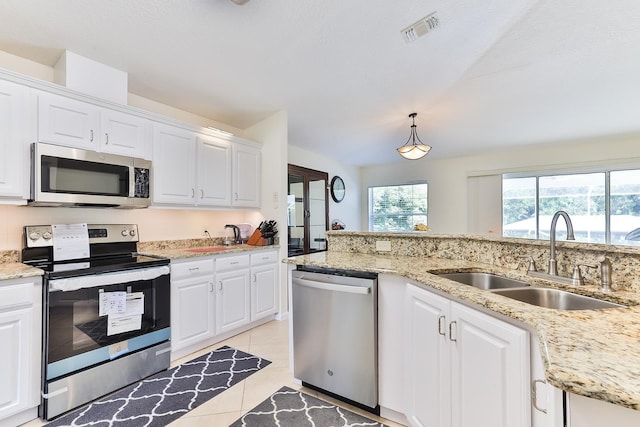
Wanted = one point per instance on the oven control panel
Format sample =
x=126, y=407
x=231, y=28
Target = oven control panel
x=38, y=236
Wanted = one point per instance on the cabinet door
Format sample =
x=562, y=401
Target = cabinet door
x=13, y=139
x=232, y=300
x=125, y=134
x=65, y=121
x=214, y=172
x=427, y=359
x=264, y=291
x=173, y=166
x=246, y=176
x=490, y=372
x=192, y=311
x=15, y=332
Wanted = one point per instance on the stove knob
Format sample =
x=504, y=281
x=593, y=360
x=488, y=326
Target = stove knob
x=124, y=233
x=132, y=233
x=46, y=235
x=34, y=235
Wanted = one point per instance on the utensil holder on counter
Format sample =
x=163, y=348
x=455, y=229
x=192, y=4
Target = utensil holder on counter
x=256, y=239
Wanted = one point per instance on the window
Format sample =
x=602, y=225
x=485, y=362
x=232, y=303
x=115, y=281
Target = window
x=604, y=206
x=397, y=207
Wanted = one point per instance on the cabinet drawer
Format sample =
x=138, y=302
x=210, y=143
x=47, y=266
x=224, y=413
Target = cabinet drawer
x=232, y=262
x=264, y=258
x=16, y=295
x=185, y=270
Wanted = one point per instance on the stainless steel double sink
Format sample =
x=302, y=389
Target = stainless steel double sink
x=522, y=291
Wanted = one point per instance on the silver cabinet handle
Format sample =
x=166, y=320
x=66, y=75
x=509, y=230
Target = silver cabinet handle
x=255, y=278
x=193, y=193
x=106, y=138
x=194, y=269
x=211, y=287
x=201, y=193
x=220, y=285
x=91, y=137
x=441, y=323
x=534, y=395
x=451, y=330
x=235, y=196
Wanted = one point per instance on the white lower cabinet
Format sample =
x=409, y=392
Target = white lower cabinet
x=192, y=302
x=20, y=335
x=586, y=412
x=264, y=284
x=212, y=298
x=463, y=368
x=233, y=296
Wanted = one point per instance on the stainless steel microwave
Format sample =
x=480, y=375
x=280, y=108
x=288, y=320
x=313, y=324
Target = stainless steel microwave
x=63, y=176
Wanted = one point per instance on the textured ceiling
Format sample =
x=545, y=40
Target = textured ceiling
x=495, y=73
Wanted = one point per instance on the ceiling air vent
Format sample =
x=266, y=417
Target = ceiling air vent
x=418, y=29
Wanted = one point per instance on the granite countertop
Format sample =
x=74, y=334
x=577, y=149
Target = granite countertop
x=593, y=353
x=175, y=253
x=16, y=270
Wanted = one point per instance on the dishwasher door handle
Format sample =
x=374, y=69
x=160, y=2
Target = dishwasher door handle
x=362, y=290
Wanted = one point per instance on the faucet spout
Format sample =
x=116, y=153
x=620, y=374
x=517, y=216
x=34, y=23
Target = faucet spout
x=553, y=267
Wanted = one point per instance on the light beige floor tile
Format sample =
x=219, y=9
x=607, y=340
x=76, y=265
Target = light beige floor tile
x=216, y=420
x=228, y=401
x=263, y=384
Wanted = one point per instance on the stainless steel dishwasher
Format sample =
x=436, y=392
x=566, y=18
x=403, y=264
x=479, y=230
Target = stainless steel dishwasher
x=335, y=338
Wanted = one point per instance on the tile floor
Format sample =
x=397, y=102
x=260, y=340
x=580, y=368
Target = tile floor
x=270, y=341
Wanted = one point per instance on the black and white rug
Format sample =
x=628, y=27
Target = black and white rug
x=290, y=408
x=164, y=397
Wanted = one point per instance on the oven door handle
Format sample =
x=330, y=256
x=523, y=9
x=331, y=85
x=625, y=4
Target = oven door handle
x=106, y=279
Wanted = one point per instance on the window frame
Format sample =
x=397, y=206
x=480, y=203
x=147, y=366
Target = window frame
x=371, y=216
x=573, y=171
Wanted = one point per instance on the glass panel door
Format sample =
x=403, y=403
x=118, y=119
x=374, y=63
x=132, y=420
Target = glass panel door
x=307, y=208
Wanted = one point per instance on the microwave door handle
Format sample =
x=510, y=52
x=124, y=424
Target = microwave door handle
x=132, y=182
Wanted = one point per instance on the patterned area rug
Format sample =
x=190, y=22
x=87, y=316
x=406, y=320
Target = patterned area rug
x=164, y=397
x=290, y=408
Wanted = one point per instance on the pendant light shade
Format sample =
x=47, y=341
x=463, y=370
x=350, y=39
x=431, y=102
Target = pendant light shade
x=413, y=149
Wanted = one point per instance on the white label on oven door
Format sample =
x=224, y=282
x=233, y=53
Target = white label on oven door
x=112, y=303
x=121, y=324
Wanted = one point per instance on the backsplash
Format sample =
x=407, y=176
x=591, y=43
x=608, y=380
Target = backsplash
x=504, y=252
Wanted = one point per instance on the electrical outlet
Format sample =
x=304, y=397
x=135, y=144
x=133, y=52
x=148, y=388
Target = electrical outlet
x=383, y=245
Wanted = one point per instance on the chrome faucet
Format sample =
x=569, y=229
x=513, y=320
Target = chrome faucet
x=553, y=269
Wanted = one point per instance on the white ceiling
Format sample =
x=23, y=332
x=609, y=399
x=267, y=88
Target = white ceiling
x=495, y=73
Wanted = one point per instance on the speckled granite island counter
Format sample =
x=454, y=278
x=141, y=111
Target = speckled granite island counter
x=593, y=353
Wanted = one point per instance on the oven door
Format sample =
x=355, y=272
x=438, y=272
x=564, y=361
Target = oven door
x=92, y=319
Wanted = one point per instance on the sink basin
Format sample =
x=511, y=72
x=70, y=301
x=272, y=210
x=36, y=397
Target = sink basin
x=555, y=298
x=484, y=280
x=208, y=249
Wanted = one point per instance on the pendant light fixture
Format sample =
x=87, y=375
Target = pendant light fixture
x=413, y=149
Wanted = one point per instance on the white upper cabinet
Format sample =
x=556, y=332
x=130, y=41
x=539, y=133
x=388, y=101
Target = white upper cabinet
x=246, y=176
x=192, y=169
x=14, y=139
x=214, y=172
x=66, y=121
x=73, y=123
x=173, y=171
x=125, y=134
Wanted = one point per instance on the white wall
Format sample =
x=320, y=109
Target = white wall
x=272, y=133
x=447, y=178
x=347, y=211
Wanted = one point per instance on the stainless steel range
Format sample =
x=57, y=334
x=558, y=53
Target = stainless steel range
x=106, y=315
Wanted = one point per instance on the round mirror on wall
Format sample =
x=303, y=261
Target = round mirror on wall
x=337, y=189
